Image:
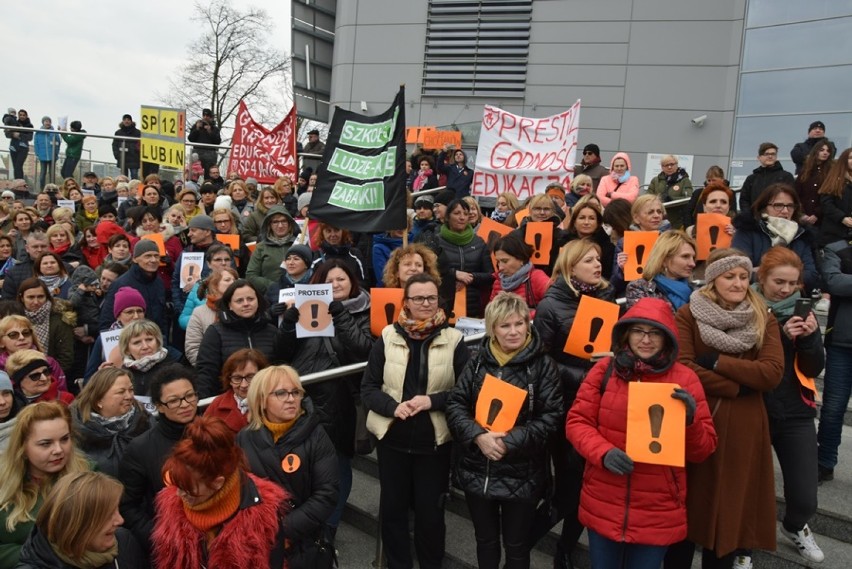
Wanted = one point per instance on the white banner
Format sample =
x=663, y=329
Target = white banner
x=523, y=155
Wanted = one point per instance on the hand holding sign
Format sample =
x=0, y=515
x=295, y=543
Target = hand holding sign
x=710, y=234
x=656, y=424
x=385, y=306
x=591, y=331
x=637, y=245
x=314, y=317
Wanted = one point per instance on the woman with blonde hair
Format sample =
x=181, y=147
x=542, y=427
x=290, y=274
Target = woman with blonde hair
x=143, y=352
x=266, y=198
x=285, y=443
x=507, y=202
x=732, y=342
x=542, y=209
x=668, y=271
x=581, y=186
x=578, y=272
x=30, y=374
x=16, y=333
x=79, y=527
x=41, y=450
x=408, y=261
x=204, y=314
x=62, y=242
x=107, y=417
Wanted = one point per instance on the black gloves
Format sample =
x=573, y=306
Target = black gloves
x=708, y=360
x=278, y=308
x=688, y=400
x=336, y=308
x=617, y=462
x=291, y=315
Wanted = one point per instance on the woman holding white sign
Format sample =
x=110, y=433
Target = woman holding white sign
x=503, y=469
x=635, y=509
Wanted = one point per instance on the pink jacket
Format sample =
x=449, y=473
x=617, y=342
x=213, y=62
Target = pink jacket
x=609, y=188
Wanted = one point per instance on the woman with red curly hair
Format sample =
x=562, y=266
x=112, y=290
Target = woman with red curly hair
x=213, y=512
x=332, y=243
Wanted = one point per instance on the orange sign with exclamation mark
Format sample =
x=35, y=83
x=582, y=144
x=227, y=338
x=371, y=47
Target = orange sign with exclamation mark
x=539, y=236
x=710, y=234
x=385, y=306
x=591, y=331
x=498, y=404
x=637, y=245
x=656, y=424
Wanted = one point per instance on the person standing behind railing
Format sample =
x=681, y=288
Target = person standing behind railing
x=47, y=151
x=73, y=148
x=129, y=164
x=19, y=141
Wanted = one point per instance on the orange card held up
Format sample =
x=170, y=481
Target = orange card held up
x=807, y=382
x=232, y=241
x=385, y=306
x=490, y=229
x=521, y=215
x=158, y=239
x=539, y=236
x=459, y=305
x=656, y=424
x=637, y=245
x=498, y=404
x=591, y=332
x=710, y=234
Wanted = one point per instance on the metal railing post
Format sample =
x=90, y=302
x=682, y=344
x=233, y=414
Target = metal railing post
x=379, y=559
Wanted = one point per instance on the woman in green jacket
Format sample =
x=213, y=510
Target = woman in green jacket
x=277, y=234
x=73, y=148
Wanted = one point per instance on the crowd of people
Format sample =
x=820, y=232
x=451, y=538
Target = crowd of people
x=108, y=455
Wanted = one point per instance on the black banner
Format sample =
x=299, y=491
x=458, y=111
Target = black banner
x=361, y=183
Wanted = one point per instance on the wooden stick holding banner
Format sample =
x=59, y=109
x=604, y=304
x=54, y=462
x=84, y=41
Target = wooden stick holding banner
x=498, y=404
x=656, y=424
x=314, y=317
x=637, y=245
x=710, y=234
x=591, y=331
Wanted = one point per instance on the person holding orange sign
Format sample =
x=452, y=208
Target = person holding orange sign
x=542, y=209
x=791, y=406
x=516, y=274
x=667, y=271
x=504, y=473
x=649, y=215
x=635, y=510
x=578, y=272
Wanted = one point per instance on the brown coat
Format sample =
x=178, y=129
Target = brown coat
x=731, y=497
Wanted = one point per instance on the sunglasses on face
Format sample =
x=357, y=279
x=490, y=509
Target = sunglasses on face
x=14, y=334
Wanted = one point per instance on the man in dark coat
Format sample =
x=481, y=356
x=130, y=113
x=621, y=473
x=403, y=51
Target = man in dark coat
x=129, y=148
x=205, y=131
x=591, y=166
x=815, y=132
x=37, y=244
x=769, y=172
x=459, y=174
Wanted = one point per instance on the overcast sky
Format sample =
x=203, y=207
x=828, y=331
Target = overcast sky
x=94, y=60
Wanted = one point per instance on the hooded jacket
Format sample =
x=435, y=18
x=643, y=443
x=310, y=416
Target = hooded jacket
x=523, y=473
x=459, y=179
x=610, y=188
x=38, y=554
x=647, y=506
x=47, y=145
x=264, y=268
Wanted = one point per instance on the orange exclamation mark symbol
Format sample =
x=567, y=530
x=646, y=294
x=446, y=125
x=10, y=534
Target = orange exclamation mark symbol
x=493, y=411
x=594, y=330
x=714, y=235
x=314, y=315
x=655, y=414
x=640, y=252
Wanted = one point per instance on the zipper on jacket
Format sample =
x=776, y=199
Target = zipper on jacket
x=487, y=476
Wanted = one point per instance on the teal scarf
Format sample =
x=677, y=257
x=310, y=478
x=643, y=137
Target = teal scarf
x=782, y=309
x=459, y=238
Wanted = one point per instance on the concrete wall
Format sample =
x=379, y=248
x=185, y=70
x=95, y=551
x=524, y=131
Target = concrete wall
x=643, y=69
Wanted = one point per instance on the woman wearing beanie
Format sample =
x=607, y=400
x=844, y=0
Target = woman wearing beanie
x=129, y=305
x=620, y=183
x=216, y=513
x=297, y=270
x=33, y=380
x=733, y=343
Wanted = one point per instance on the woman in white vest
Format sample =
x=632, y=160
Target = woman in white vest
x=412, y=368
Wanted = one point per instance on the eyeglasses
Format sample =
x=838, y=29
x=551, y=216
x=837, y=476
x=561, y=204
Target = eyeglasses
x=541, y=210
x=221, y=221
x=14, y=334
x=424, y=299
x=782, y=206
x=236, y=380
x=285, y=395
x=640, y=334
x=669, y=164
x=43, y=375
x=588, y=153
x=190, y=398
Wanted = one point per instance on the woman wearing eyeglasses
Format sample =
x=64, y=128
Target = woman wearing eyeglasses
x=141, y=347
x=411, y=370
x=277, y=233
x=635, y=510
x=33, y=380
x=16, y=333
x=774, y=220
x=173, y=394
x=672, y=183
x=542, y=209
x=285, y=443
x=237, y=374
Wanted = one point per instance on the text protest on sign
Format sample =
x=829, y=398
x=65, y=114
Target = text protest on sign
x=523, y=155
x=261, y=153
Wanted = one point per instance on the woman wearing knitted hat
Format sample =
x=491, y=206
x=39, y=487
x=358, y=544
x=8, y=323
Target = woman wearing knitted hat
x=33, y=380
x=10, y=404
x=214, y=512
x=732, y=342
x=129, y=305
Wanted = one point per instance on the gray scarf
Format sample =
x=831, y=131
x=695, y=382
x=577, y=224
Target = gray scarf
x=728, y=331
x=511, y=282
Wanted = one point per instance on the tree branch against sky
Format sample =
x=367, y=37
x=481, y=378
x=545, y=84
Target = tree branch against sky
x=229, y=62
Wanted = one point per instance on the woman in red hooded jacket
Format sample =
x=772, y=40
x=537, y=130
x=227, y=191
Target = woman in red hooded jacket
x=634, y=510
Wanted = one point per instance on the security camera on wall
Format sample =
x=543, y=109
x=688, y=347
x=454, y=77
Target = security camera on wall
x=699, y=121
x=363, y=106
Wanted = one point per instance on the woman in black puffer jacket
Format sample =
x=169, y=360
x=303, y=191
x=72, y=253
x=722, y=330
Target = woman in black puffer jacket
x=242, y=323
x=334, y=400
x=505, y=472
x=578, y=272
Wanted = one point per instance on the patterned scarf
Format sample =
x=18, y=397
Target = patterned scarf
x=145, y=363
x=41, y=322
x=421, y=329
x=584, y=288
x=115, y=424
x=54, y=282
x=728, y=331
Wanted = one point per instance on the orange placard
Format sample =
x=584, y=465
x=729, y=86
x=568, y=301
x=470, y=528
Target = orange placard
x=459, y=305
x=490, y=229
x=591, y=331
x=637, y=245
x=656, y=424
x=415, y=134
x=498, y=404
x=710, y=234
x=521, y=215
x=385, y=306
x=436, y=139
x=807, y=382
x=251, y=246
x=539, y=236
x=232, y=241
x=158, y=239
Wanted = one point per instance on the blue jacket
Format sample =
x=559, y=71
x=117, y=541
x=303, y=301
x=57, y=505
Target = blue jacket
x=458, y=179
x=192, y=301
x=44, y=142
x=383, y=246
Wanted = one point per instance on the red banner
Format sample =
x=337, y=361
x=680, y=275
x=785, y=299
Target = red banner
x=263, y=154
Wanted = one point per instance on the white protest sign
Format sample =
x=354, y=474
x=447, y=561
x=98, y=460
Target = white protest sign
x=120, y=200
x=109, y=342
x=314, y=317
x=62, y=122
x=286, y=295
x=653, y=168
x=523, y=155
x=190, y=267
x=70, y=204
x=87, y=192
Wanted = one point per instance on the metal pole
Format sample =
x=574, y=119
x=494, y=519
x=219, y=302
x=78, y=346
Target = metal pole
x=122, y=152
x=379, y=560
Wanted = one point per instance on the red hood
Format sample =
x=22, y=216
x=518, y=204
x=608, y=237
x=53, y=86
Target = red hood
x=654, y=312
